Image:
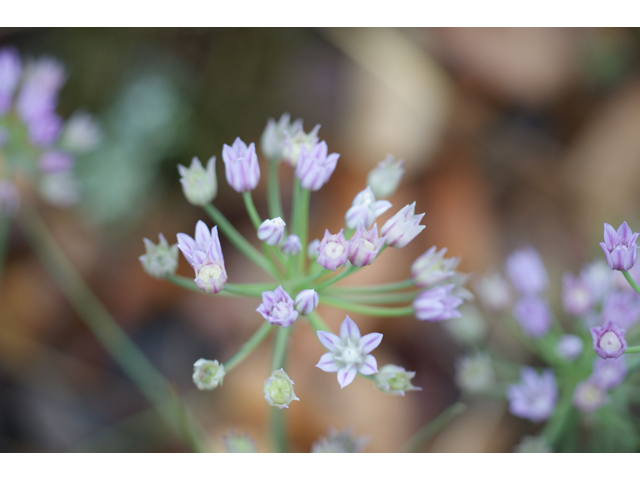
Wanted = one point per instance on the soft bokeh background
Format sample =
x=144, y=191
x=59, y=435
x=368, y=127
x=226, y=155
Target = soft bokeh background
x=510, y=137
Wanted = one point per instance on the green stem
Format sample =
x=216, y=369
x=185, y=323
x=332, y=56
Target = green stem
x=239, y=241
x=278, y=426
x=422, y=436
x=336, y=278
x=95, y=316
x=251, y=209
x=230, y=289
x=380, y=298
x=631, y=281
x=635, y=349
x=308, y=279
x=316, y=322
x=366, y=309
x=248, y=346
x=4, y=241
x=274, y=200
x=300, y=219
x=385, y=287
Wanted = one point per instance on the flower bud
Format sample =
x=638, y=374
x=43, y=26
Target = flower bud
x=200, y=186
x=278, y=390
x=576, y=295
x=236, y=442
x=526, y=271
x=208, y=374
x=395, y=380
x=241, y=165
x=385, y=178
x=474, y=373
x=272, y=141
x=160, y=260
x=295, y=140
x=493, y=291
x=431, y=267
x=437, y=304
x=619, y=247
x=81, y=133
x=569, y=346
x=292, y=245
x=315, y=166
x=402, y=227
x=364, y=246
x=271, y=231
x=608, y=340
x=534, y=316
x=588, y=396
x=365, y=209
x=307, y=301
x=277, y=308
x=313, y=249
x=11, y=68
x=609, y=373
x=333, y=250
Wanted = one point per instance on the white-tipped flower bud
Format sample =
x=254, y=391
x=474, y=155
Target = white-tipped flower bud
x=160, y=260
x=271, y=231
x=200, y=186
x=208, y=374
x=307, y=301
x=385, y=178
x=278, y=390
x=395, y=380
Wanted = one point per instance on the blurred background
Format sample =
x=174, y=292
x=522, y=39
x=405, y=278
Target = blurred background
x=509, y=136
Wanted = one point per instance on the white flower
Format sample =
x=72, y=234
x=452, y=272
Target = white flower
x=365, y=209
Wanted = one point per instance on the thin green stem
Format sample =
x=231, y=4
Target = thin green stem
x=635, y=349
x=385, y=287
x=95, y=316
x=308, y=279
x=249, y=346
x=426, y=433
x=4, y=241
x=378, y=298
x=251, y=209
x=300, y=219
x=366, y=309
x=230, y=289
x=239, y=241
x=631, y=281
x=336, y=278
x=316, y=322
x=278, y=425
x=274, y=200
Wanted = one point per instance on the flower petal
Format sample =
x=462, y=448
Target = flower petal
x=369, y=367
x=328, y=339
x=611, y=238
x=346, y=375
x=326, y=363
x=349, y=329
x=203, y=236
x=370, y=341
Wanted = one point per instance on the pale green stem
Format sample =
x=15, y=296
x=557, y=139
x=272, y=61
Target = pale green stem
x=239, y=241
x=229, y=290
x=278, y=425
x=336, y=278
x=631, y=281
x=385, y=287
x=300, y=220
x=366, y=309
x=248, y=346
x=378, y=298
x=308, y=279
x=426, y=433
x=316, y=322
x=126, y=354
x=4, y=241
x=274, y=200
x=251, y=209
x=635, y=349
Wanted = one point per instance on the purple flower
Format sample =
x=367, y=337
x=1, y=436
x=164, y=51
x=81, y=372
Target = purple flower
x=364, y=246
x=431, y=267
x=533, y=315
x=437, y=304
x=402, y=227
x=277, y=308
x=609, y=373
x=385, y=178
x=271, y=231
x=599, y=277
x=45, y=130
x=365, y=209
x=526, y=271
x=204, y=254
x=589, y=396
x=535, y=396
x=333, y=250
x=292, y=245
x=569, y=346
x=349, y=353
x=622, y=308
x=199, y=185
x=315, y=167
x=56, y=161
x=576, y=295
x=38, y=96
x=9, y=199
x=608, y=340
x=10, y=72
x=307, y=301
x=619, y=247
x=241, y=165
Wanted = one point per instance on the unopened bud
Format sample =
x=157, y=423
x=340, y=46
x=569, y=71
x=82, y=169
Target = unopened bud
x=160, y=260
x=208, y=374
x=278, y=390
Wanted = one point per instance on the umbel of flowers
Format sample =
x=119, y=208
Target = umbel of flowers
x=305, y=274
x=579, y=388
x=35, y=142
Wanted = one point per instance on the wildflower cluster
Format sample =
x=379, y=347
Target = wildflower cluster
x=601, y=307
x=35, y=142
x=305, y=273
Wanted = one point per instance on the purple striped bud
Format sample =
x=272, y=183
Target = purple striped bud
x=608, y=340
x=385, y=178
x=619, y=247
x=535, y=396
x=292, y=245
x=526, y=271
x=307, y=301
x=589, y=396
x=437, y=304
x=576, y=295
x=199, y=186
x=609, y=373
x=534, y=316
x=365, y=209
x=277, y=308
x=333, y=250
x=364, y=246
x=271, y=231
x=241, y=165
x=315, y=166
x=10, y=73
x=431, y=267
x=402, y=227
x=55, y=161
x=204, y=254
